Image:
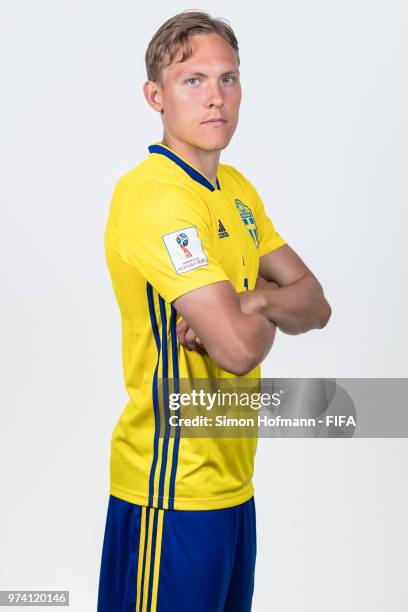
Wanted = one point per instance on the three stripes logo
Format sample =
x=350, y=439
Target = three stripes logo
x=222, y=232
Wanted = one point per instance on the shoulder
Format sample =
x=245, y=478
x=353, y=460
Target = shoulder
x=141, y=200
x=152, y=193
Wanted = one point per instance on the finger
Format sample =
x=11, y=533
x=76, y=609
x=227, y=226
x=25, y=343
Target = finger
x=201, y=348
x=190, y=338
x=262, y=283
x=181, y=330
x=182, y=325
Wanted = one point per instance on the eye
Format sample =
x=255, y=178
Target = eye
x=192, y=79
x=230, y=77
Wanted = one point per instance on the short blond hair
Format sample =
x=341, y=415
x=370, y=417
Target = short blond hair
x=175, y=33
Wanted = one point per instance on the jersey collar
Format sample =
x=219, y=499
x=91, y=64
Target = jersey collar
x=195, y=174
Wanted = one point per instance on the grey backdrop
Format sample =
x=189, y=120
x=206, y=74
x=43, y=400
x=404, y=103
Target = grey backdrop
x=322, y=134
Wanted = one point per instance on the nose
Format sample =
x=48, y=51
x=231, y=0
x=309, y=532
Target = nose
x=214, y=95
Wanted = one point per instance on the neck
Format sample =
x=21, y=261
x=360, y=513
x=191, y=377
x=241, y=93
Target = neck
x=205, y=161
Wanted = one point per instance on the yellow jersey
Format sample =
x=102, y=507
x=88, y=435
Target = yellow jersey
x=169, y=231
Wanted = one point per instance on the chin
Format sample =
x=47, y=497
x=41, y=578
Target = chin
x=214, y=144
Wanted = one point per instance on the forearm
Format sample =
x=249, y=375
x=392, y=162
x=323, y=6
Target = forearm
x=214, y=322
x=258, y=334
x=250, y=340
x=295, y=308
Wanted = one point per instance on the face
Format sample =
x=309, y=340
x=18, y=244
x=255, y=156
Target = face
x=206, y=86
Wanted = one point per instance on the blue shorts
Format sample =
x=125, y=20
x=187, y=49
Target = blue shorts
x=177, y=560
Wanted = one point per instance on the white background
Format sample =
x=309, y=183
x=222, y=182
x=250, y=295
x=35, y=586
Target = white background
x=323, y=136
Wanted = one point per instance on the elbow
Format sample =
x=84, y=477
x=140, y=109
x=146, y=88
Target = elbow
x=325, y=314
x=322, y=309
x=240, y=367
x=243, y=366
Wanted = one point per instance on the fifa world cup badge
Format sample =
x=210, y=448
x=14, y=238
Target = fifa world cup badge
x=182, y=240
x=185, y=249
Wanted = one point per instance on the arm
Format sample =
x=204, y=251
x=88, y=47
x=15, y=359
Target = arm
x=299, y=304
x=147, y=236
x=235, y=340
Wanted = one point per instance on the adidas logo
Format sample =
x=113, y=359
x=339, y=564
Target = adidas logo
x=222, y=232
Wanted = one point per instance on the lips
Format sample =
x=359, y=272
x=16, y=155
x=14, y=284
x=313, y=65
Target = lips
x=218, y=120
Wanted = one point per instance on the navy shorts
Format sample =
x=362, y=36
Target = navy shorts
x=177, y=560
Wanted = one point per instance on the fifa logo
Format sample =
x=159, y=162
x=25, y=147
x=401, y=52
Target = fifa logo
x=182, y=241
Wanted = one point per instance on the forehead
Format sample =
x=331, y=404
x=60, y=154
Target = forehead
x=211, y=53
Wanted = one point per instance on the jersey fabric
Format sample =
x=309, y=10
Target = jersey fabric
x=156, y=560
x=170, y=231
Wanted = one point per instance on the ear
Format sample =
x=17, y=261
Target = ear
x=152, y=93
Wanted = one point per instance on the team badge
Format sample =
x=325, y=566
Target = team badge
x=248, y=220
x=185, y=249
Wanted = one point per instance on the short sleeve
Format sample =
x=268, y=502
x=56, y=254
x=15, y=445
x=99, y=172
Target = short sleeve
x=268, y=238
x=167, y=235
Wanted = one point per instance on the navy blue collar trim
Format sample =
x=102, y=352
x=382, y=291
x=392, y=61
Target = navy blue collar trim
x=195, y=174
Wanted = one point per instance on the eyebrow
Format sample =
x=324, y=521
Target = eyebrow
x=205, y=75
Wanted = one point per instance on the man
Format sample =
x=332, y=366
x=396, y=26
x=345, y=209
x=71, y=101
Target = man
x=202, y=280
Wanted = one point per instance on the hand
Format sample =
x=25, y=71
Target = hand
x=250, y=300
x=187, y=337
x=261, y=283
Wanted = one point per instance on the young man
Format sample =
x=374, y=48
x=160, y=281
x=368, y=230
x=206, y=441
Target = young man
x=202, y=280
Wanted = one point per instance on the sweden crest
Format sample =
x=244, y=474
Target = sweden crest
x=248, y=220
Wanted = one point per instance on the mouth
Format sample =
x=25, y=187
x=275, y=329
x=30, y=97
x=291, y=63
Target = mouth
x=218, y=121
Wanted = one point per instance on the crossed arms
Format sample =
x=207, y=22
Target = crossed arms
x=237, y=330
